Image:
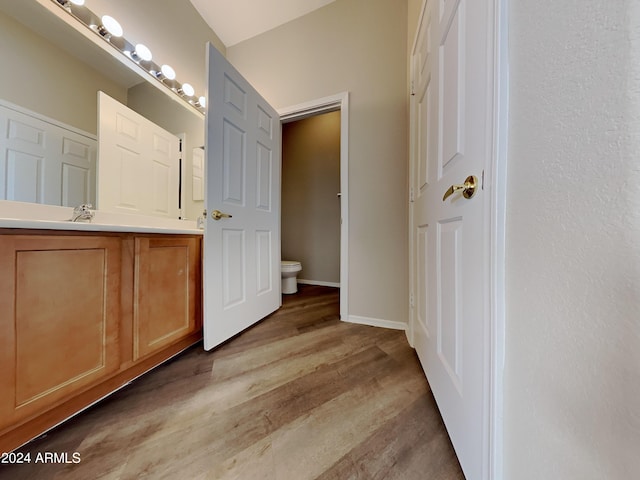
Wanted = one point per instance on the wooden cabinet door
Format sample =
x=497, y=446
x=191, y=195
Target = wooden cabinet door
x=166, y=292
x=59, y=318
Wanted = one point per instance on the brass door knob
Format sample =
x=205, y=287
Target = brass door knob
x=468, y=189
x=217, y=215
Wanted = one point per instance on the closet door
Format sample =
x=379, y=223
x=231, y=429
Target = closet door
x=451, y=144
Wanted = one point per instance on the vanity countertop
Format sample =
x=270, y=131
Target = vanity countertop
x=50, y=217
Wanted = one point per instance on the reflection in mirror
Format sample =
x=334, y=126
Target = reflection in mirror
x=55, y=76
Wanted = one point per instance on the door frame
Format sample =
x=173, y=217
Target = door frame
x=495, y=179
x=497, y=238
x=328, y=104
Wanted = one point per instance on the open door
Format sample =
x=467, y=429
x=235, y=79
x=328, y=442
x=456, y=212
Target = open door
x=242, y=199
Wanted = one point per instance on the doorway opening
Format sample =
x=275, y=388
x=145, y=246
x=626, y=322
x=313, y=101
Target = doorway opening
x=314, y=169
x=310, y=218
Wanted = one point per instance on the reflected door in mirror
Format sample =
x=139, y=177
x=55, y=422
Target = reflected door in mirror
x=44, y=161
x=138, y=163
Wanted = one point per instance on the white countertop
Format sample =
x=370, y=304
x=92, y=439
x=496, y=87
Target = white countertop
x=50, y=217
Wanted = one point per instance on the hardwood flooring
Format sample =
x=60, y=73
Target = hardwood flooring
x=299, y=396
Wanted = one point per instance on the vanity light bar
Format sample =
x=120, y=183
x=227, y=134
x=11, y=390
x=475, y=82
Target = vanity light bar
x=186, y=90
x=142, y=52
x=168, y=72
x=112, y=26
x=111, y=31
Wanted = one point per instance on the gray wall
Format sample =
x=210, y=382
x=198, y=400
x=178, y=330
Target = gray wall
x=310, y=205
x=358, y=46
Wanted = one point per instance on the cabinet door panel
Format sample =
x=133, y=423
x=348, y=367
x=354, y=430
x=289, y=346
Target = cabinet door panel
x=61, y=306
x=165, y=297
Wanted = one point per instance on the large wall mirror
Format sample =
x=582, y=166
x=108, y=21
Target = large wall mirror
x=54, y=73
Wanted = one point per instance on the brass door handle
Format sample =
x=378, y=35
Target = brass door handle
x=468, y=189
x=217, y=215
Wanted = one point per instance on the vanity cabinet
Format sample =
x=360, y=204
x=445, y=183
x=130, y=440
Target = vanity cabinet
x=82, y=314
x=165, y=286
x=60, y=304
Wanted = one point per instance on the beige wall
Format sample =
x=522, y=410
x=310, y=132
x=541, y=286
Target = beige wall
x=310, y=205
x=357, y=46
x=41, y=77
x=572, y=380
x=173, y=30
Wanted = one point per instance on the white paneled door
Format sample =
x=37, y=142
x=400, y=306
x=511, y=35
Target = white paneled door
x=44, y=161
x=242, y=241
x=451, y=148
x=138, y=163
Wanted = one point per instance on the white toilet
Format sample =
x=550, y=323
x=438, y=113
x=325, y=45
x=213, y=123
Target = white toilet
x=289, y=271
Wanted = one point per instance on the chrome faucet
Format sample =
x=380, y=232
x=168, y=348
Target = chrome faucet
x=83, y=212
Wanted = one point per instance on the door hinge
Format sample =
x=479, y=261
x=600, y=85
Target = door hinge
x=411, y=195
x=411, y=301
x=413, y=92
x=482, y=181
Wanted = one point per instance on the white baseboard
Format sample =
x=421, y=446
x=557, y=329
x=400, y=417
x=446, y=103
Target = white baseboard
x=376, y=322
x=318, y=282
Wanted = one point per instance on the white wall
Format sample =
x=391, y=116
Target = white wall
x=357, y=46
x=572, y=379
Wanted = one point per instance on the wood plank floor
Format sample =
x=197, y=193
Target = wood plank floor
x=299, y=396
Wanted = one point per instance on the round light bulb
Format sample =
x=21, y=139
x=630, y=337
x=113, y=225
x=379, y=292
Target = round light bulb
x=78, y=2
x=143, y=52
x=112, y=26
x=188, y=89
x=168, y=72
x=202, y=101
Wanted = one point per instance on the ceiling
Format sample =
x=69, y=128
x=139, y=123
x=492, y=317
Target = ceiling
x=240, y=20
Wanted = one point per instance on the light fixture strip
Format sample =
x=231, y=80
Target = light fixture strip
x=160, y=73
